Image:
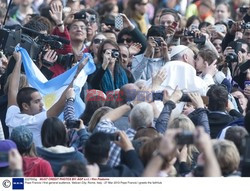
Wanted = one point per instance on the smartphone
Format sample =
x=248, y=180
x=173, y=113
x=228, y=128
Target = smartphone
x=71, y=124
x=80, y=15
x=219, y=28
x=246, y=150
x=4, y=157
x=184, y=138
x=157, y=96
x=174, y=24
x=119, y=22
x=114, y=137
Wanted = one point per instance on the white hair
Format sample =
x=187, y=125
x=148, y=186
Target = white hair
x=142, y=115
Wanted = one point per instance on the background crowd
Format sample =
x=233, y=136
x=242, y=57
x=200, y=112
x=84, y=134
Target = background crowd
x=169, y=96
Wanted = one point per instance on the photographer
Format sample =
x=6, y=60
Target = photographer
x=154, y=57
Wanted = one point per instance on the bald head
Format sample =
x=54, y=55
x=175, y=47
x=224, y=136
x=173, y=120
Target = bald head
x=128, y=92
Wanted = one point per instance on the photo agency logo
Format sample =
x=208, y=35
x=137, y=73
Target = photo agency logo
x=18, y=183
x=6, y=183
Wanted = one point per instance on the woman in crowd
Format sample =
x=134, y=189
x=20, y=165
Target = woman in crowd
x=109, y=74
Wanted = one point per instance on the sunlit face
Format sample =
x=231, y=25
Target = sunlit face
x=125, y=56
x=217, y=43
x=35, y=106
x=188, y=108
x=77, y=31
x=246, y=35
x=221, y=13
x=96, y=43
x=167, y=20
x=142, y=7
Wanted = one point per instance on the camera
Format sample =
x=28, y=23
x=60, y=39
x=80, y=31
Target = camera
x=157, y=96
x=80, y=15
x=245, y=25
x=158, y=41
x=184, y=138
x=233, y=57
x=198, y=40
x=71, y=124
x=244, y=9
x=114, y=136
x=115, y=53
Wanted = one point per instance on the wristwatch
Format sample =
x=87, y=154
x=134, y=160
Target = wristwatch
x=130, y=104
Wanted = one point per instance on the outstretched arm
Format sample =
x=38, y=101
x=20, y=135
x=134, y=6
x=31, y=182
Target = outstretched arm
x=14, y=80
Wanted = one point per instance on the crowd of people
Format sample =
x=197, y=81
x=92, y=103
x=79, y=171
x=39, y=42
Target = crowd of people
x=168, y=98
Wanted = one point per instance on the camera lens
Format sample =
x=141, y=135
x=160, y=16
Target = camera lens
x=115, y=54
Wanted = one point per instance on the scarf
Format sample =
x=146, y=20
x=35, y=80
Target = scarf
x=120, y=79
x=140, y=20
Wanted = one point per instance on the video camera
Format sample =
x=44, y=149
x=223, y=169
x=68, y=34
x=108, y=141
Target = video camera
x=10, y=37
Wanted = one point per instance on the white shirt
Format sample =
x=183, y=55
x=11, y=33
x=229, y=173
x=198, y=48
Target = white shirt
x=14, y=118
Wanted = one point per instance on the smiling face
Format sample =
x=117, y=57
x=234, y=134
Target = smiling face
x=77, y=31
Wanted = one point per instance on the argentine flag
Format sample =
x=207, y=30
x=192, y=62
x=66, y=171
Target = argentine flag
x=51, y=90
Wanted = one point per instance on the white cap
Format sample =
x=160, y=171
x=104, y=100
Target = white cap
x=177, y=49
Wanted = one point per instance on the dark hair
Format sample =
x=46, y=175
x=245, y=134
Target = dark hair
x=53, y=132
x=204, y=24
x=97, y=148
x=130, y=10
x=236, y=134
x=168, y=11
x=45, y=21
x=191, y=20
x=157, y=31
x=24, y=96
x=207, y=55
x=243, y=41
x=105, y=8
x=91, y=107
x=218, y=98
x=36, y=26
x=124, y=31
x=74, y=168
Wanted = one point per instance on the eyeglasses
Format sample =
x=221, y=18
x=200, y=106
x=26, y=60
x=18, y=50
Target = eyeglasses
x=98, y=41
x=128, y=40
x=76, y=27
x=144, y=4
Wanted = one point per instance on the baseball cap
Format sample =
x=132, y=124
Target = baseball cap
x=5, y=147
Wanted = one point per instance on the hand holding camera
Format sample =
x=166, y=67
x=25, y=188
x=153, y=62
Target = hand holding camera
x=124, y=141
x=109, y=57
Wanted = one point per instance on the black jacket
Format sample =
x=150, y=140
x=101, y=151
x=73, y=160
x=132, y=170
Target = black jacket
x=131, y=167
x=219, y=120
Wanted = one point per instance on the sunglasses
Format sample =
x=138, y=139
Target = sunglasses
x=112, y=50
x=243, y=51
x=128, y=40
x=98, y=41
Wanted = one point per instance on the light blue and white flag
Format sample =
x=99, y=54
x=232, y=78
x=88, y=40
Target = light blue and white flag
x=51, y=90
